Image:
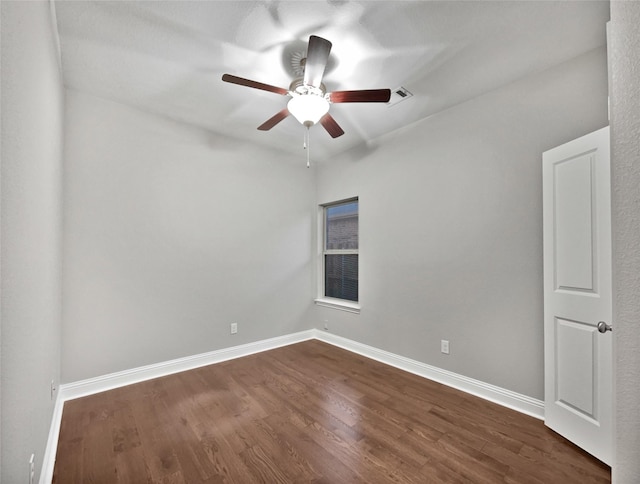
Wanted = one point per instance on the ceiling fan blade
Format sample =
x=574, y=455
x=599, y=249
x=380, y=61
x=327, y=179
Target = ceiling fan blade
x=331, y=126
x=317, y=57
x=254, y=84
x=273, y=120
x=362, y=96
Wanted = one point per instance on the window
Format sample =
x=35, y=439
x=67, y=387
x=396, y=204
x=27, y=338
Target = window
x=340, y=253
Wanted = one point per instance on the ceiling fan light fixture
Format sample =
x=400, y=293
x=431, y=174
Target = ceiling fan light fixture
x=308, y=108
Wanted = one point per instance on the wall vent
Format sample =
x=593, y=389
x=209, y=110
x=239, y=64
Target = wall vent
x=399, y=94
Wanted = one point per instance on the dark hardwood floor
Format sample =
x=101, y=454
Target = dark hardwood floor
x=308, y=412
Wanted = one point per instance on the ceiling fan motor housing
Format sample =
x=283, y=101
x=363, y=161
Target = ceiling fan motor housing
x=299, y=87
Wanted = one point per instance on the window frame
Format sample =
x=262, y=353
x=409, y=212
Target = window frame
x=322, y=299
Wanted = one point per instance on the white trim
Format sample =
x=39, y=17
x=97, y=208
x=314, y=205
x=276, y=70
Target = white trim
x=341, y=304
x=501, y=396
x=69, y=391
x=49, y=458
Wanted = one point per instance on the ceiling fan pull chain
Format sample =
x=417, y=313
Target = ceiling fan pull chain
x=306, y=144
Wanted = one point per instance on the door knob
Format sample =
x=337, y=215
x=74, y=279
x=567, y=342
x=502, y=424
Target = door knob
x=604, y=327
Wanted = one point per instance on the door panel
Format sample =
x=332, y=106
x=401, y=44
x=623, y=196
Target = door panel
x=574, y=223
x=577, y=292
x=575, y=366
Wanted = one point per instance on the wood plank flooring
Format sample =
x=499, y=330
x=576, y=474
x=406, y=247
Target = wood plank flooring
x=308, y=413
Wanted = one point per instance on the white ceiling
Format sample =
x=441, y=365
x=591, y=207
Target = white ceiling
x=168, y=57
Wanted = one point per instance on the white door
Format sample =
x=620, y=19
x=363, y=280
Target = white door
x=577, y=293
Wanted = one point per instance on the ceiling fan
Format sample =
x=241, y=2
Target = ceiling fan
x=310, y=101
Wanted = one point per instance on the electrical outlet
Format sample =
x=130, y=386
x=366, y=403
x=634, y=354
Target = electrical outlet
x=326, y=325
x=53, y=388
x=444, y=346
x=234, y=328
x=32, y=469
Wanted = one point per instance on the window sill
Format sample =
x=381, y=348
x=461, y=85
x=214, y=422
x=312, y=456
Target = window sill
x=340, y=304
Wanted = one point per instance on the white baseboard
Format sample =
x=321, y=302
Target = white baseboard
x=507, y=398
x=82, y=388
x=70, y=391
x=49, y=458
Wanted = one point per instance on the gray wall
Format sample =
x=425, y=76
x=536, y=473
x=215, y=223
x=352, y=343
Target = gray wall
x=451, y=226
x=624, y=45
x=171, y=234
x=32, y=107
